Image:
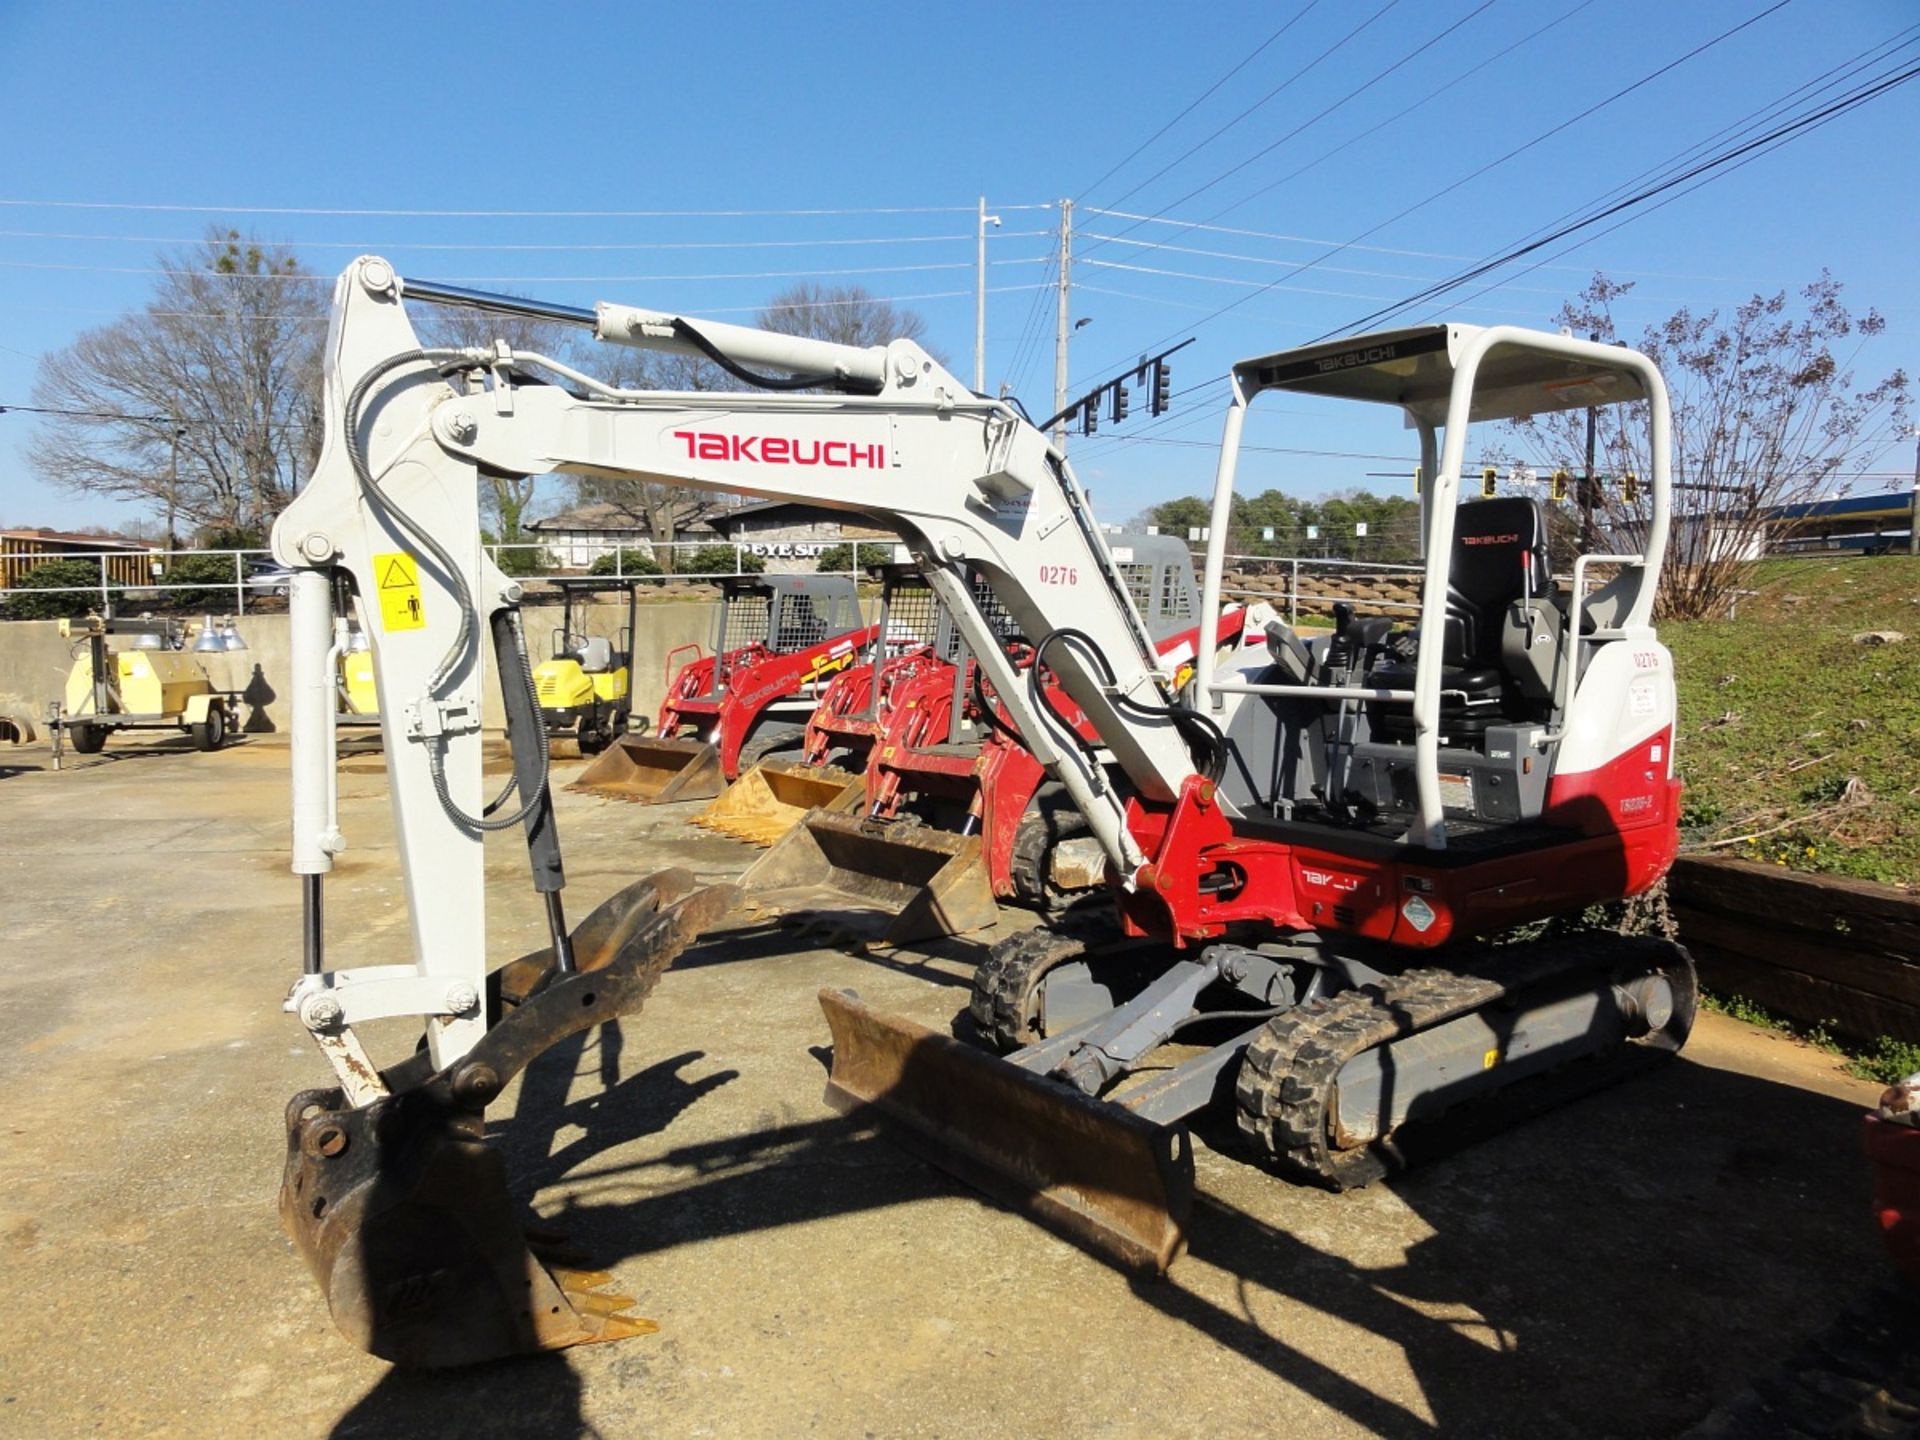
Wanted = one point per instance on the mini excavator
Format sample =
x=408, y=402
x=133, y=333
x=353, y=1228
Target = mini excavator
x=1322, y=857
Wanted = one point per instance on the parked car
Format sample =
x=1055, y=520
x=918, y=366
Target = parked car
x=268, y=577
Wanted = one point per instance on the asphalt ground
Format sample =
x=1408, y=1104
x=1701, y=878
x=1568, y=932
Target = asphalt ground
x=1621, y=1267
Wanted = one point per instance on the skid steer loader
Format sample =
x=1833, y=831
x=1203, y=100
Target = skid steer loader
x=778, y=641
x=920, y=670
x=1321, y=859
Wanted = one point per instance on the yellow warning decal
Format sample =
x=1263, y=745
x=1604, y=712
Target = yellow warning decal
x=1490, y=1059
x=399, y=580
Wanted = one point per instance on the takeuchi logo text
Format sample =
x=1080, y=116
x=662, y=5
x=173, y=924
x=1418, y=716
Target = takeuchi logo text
x=782, y=450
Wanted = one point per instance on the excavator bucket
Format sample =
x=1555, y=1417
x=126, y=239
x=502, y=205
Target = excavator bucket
x=400, y=1208
x=883, y=883
x=1111, y=1181
x=775, y=795
x=654, y=771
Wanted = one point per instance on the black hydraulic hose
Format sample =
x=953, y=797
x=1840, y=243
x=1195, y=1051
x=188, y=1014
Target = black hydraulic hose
x=683, y=331
x=1198, y=730
x=377, y=497
x=994, y=722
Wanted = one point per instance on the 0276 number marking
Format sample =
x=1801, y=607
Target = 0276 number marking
x=1059, y=575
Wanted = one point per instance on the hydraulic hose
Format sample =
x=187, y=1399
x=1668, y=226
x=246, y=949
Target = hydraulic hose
x=1200, y=732
x=378, y=498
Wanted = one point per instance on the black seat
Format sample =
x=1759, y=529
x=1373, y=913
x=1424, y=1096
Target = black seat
x=1499, y=556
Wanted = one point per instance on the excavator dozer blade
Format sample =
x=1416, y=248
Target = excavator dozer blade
x=401, y=1209
x=1111, y=1181
x=775, y=795
x=885, y=884
x=654, y=771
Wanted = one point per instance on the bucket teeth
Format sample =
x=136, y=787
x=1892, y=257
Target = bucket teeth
x=402, y=1210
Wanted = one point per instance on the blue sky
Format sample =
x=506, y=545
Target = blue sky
x=152, y=122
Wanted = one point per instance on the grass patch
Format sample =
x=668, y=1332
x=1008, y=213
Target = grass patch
x=1795, y=743
x=1886, y=1060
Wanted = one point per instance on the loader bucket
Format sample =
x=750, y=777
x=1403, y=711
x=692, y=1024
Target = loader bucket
x=1109, y=1180
x=775, y=795
x=890, y=884
x=400, y=1208
x=654, y=771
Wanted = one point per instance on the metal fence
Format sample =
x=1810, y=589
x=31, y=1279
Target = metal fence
x=252, y=580
x=1312, y=587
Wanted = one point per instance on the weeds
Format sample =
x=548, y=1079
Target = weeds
x=1886, y=1061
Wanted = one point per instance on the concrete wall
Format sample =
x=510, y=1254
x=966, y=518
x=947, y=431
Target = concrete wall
x=34, y=660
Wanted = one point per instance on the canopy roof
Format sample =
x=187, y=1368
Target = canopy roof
x=1414, y=369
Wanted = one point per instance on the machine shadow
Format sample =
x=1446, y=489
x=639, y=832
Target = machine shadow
x=923, y=960
x=1617, y=1268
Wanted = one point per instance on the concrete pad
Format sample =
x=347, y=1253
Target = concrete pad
x=1617, y=1268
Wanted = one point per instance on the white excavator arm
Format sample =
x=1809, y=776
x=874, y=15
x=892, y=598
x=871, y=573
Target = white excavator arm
x=966, y=481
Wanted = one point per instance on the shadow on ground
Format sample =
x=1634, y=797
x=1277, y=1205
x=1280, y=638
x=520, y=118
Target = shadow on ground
x=1616, y=1268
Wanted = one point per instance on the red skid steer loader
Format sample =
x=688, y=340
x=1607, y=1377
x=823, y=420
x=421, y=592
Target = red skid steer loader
x=778, y=641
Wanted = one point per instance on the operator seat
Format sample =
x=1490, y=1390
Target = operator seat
x=1499, y=558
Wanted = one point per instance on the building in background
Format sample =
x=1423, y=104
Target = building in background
x=575, y=538
x=128, y=562
x=789, y=535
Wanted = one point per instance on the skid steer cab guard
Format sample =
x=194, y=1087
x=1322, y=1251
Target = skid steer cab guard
x=778, y=641
x=920, y=665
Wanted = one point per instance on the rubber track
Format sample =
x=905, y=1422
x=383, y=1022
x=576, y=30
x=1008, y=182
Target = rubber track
x=1005, y=981
x=1285, y=1083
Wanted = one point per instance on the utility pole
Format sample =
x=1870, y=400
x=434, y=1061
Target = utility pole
x=1913, y=513
x=1062, y=324
x=980, y=301
x=1587, y=537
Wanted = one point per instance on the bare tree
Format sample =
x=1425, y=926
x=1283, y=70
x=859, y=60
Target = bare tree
x=845, y=314
x=504, y=499
x=655, y=501
x=206, y=402
x=1767, y=415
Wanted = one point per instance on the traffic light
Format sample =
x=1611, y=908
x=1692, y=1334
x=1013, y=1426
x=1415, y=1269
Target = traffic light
x=1119, y=402
x=1630, y=488
x=1559, y=490
x=1416, y=479
x=1090, y=416
x=1162, y=388
x=1489, y=483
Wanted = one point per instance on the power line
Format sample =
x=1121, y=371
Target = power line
x=1246, y=60
x=1503, y=159
x=705, y=310
x=275, y=276
x=1367, y=249
x=505, y=214
x=1771, y=140
x=383, y=246
x=1825, y=80
x=1343, y=101
x=1311, y=65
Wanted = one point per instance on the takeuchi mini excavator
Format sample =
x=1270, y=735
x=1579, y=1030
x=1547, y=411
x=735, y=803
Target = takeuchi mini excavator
x=778, y=642
x=1321, y=861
